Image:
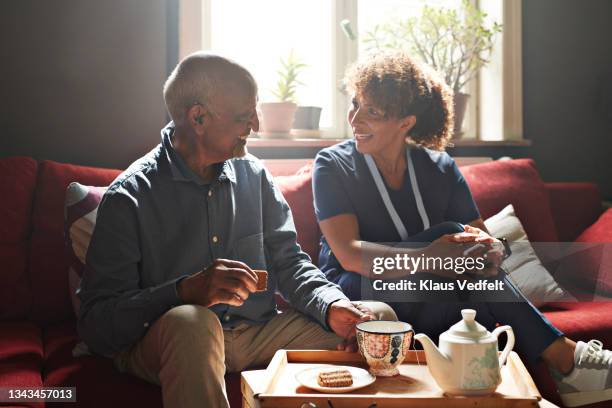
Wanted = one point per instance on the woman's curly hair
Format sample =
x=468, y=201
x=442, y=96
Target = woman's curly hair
x=400, y=86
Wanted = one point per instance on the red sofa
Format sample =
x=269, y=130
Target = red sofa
x=37, y=325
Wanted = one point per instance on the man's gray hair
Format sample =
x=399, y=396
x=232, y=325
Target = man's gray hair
x=198, y=78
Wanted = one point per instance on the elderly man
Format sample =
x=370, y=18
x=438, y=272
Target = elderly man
x=169, y=289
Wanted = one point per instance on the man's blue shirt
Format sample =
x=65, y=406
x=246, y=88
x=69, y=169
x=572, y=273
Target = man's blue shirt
x=159, y=222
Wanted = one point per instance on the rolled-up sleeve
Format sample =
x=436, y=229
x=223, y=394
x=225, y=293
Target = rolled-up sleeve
x=330, y=198
x=115, y=311
x=462, y=207
x=299, y=281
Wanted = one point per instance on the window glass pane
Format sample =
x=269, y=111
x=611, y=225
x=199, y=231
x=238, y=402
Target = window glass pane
x=382, y=12
x=372, y=13
x=258, y=33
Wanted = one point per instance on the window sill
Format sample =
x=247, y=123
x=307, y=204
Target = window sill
x=297, y=142
x=326, y=142
x=490, y=143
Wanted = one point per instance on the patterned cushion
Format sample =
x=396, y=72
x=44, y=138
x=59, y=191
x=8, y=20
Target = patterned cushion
x=80, y=215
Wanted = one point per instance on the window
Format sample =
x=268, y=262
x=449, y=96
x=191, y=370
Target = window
x=258, y=34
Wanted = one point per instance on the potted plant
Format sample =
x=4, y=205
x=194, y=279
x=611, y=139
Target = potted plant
x=277, y=117
x=456, y=44
x=307, y=117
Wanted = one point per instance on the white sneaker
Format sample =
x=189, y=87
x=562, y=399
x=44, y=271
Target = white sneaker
x=591, y=379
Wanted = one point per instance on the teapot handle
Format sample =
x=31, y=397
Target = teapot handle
x=509, y=343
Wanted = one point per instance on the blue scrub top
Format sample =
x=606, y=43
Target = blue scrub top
x=343, y=184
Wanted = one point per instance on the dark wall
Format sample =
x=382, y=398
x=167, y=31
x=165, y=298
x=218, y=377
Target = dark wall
x=81, y=80
x=567, y=60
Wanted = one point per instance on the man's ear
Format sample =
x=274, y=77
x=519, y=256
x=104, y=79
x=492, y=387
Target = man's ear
x=408, y=123
x=197, y=116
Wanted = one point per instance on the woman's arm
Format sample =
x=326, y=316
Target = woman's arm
x=342, y=235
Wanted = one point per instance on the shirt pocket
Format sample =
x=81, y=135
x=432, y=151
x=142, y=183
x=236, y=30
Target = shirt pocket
x=250, y=250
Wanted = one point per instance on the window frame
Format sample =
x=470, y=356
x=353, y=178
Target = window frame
x=500, y=81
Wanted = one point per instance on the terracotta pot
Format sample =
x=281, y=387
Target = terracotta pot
x=277, y=117
x=460, y=101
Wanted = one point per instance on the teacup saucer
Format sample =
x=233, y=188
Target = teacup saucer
x=308, y=378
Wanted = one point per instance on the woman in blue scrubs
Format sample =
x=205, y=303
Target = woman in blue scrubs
x=394, y=183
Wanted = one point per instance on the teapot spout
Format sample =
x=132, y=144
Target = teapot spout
x=437, y=361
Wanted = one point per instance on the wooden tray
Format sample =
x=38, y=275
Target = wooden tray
x=277, y=387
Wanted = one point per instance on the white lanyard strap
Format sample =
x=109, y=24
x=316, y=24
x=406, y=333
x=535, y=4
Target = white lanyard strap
x=384, y=194
x=417, y=191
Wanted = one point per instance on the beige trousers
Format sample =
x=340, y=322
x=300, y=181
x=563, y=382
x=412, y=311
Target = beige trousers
x=187, y=351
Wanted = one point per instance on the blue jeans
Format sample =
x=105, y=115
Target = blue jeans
x=533, y=332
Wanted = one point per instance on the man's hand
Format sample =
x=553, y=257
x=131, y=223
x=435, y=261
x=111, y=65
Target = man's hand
x=225, y=281
x=342, y=317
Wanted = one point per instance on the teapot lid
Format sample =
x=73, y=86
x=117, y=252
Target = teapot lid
x=468, y=327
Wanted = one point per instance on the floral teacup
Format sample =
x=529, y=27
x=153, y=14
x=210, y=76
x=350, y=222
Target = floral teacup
x=384, y=344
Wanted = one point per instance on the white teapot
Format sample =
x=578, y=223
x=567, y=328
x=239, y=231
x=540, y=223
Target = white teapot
x=467, y=361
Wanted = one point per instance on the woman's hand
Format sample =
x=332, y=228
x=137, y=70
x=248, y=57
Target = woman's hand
x=474, y=243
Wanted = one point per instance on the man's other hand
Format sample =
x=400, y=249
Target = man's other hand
x=225, y=281
x=342, y=317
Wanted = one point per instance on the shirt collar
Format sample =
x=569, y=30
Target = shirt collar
x=179, y=169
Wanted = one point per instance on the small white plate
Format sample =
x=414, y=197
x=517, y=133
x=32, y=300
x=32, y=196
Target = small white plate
x=308, y=378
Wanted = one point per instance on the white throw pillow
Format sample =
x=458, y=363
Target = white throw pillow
x=524, y=266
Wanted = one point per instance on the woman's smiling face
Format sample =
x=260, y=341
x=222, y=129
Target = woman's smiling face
x=373, y=130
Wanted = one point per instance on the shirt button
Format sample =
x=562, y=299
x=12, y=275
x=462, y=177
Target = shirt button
x=226, y=318
x=210, y=193
x=215, y=239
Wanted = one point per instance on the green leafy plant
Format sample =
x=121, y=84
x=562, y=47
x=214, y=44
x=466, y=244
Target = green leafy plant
x=287, y=83
x=456, y=44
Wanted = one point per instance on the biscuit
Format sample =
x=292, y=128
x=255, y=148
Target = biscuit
x=262, y=280
x=335, y=378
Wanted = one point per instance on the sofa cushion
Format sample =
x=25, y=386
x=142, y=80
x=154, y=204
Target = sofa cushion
x=17, y=192
x=21, y=356
x=48, y=259
x=582, y=320
x=497, y=184
x=15, y=297
x=599, y=263
x=574, y=206
x=589, y=265
x=297, y=190
x=48, y=270
x=20, y=339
